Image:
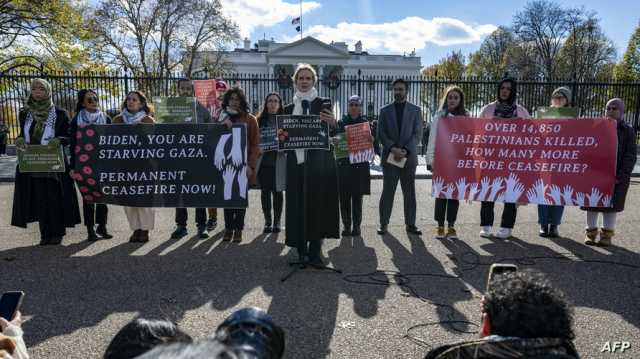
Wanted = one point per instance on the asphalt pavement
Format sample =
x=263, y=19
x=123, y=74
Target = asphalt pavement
x=393, y=288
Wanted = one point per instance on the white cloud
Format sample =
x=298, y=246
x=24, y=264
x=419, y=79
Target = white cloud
x=404, y=35
x=249, y=14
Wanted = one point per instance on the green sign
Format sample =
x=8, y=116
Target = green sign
x=40, y=158
x=175, y=109
x=557, y=112
x=341, y=147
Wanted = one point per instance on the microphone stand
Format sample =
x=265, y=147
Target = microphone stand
x=304, y=262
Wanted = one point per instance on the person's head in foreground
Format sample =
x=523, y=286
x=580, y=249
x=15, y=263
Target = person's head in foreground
x=523, y=316
x=141, y=335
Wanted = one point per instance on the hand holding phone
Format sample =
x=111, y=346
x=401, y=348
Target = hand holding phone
x=499, y=268
x=10, y=304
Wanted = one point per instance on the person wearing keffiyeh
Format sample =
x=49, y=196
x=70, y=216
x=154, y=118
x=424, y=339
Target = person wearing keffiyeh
x=88, y=113
x=505, y=106
x=49, y=198
x=135, y=111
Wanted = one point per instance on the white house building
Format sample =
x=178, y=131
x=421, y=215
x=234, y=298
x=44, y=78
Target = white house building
x=268, y=57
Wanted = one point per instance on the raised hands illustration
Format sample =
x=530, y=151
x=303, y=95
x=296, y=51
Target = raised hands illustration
x=514, y=189
x=485, y=186
x=496, y=186
x=474, y=188
x=436, y=186
x=448, y=191
x=606, y=201
x=594, y=197
x=461, y=186
x=556, y=195
x=579, y=199
x=567, y=195
x=536, y=194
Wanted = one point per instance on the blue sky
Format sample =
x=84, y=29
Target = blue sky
x=434, y=28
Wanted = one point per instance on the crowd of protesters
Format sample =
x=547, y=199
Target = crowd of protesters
x=283, y=177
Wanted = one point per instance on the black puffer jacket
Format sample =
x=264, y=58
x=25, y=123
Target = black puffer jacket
x=495, y=347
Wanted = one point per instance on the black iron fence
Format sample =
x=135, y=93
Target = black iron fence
x=375, y=91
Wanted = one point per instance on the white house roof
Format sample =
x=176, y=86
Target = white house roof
x=309, y=47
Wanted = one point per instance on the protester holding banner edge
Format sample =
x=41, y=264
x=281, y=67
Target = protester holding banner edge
x=49, y=198
x=550, y=216
x=505, y=106
x=625, y=161
x=354, y=180
x=185, y=89
x=312, y=203
x=136, y=110
x=221, y=89
x=235, y=109
x=452, y=104
x=87, y=112
x=272, y=168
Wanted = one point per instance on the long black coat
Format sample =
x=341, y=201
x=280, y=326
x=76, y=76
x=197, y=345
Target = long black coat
x=24, y=203
x=353, y=178
x=627, y=156
x=312, y=205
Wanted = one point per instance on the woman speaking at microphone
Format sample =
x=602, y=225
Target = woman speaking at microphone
x=312, y=207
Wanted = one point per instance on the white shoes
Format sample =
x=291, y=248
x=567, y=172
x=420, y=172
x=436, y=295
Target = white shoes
x=504, y=233
x=486, y=232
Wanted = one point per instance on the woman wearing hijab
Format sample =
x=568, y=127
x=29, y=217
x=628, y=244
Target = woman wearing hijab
x=625, y=161
x=137, y=111
x=452, y=105
x=504, y=107
x=49, y=198
x=354, y=180
x=550, y=216
x=272, y=168
x=312, y=203
x=234, y=111
x=88, y=113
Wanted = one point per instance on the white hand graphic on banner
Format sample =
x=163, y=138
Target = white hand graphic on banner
x=236, y=153
x=219, y=155
x=567, y=195
x=462, y=188
x=436, y=186
x=556, y=195
x=496, y=186
x=228, y=176
x=514, y=189
x=473, y=191
x=448, y=191
x=594, y=197
x=242, y=181
x=536, y=194
x=580, y=199
x=484, y=189
x=606, y=201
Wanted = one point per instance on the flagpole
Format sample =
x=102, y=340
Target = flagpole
x=301, y=20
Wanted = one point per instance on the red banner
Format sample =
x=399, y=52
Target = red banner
x=359, y=142
x=570, y=162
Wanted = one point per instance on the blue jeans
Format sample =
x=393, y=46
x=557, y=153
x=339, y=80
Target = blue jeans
x=549, y=214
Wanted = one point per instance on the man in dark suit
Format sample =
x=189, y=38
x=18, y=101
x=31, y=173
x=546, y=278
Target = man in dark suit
x=399, y=132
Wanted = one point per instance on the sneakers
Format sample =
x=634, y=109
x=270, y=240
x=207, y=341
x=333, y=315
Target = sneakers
x=503, y=233
x=486, y=232
x=211, y=224
x=590, y=235
x=451, y=233
x=180, y=232
x=203, y=233
x=440, y=234
x=605, y=237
